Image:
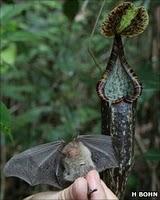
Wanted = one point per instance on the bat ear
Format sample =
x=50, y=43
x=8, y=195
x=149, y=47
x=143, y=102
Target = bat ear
x=61, y=152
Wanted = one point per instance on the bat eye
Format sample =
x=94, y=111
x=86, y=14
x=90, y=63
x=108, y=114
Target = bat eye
x=81, y=164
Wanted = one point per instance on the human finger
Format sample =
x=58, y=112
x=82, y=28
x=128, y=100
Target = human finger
x=109, y=194
x=94, y=183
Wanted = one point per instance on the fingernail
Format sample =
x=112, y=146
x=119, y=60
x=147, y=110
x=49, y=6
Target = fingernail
x=96, y=176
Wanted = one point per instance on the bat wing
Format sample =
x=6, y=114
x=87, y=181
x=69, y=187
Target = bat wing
x=102, y=150
x=38, y=165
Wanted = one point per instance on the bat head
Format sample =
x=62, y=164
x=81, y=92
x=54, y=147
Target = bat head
x=77, y=160
x=71, y=150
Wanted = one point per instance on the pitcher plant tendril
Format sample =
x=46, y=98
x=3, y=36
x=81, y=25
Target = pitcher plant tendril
x=119, y=89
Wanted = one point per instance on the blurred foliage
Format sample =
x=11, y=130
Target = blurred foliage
x=5, y=119
x=49, y=79
x=71, y=8
x=153, y=155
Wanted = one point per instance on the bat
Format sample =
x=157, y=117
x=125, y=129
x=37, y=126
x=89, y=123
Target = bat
x=59, y=163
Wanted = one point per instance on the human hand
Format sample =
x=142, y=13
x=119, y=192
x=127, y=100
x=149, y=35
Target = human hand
x=79, y=190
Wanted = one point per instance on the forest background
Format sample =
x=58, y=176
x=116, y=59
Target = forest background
x=48, y=82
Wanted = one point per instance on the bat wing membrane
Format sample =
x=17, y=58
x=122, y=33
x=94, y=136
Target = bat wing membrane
x=36, y=165
x=103, y=154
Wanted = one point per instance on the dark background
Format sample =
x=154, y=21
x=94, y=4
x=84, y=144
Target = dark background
x=49, y=81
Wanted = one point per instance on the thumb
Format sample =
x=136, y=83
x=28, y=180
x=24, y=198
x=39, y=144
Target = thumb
x=78, y=190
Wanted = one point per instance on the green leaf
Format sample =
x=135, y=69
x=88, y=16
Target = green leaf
x=30, y=116
x=52, y=4
x=132, y=182
x=21, y=36
x=8, y=55
x=71, y=8
x=150, y=81
x=5, y=119
x=152, y=155
x=12, y=10
x=16, y=91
